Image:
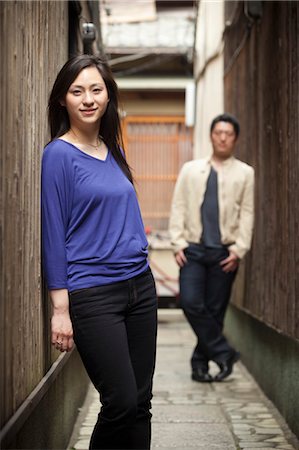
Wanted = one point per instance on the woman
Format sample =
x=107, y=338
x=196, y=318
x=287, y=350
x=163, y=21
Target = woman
x=95, y=252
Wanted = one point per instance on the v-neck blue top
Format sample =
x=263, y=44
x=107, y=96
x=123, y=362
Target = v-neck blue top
x=92, y=230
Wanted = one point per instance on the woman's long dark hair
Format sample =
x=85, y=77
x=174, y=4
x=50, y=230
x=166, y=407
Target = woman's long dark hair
x=110, y=129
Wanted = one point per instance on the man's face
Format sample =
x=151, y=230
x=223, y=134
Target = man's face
x=223, y=138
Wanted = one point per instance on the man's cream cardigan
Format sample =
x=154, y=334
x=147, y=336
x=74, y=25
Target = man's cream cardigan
x=235, y=199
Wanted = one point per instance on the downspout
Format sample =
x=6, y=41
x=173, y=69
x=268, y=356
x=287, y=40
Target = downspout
x=94, y=10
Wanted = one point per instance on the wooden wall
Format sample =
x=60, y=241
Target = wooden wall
x=34, y=45
x=261, y=89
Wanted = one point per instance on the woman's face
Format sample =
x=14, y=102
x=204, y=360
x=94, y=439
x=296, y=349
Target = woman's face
x=87, y=98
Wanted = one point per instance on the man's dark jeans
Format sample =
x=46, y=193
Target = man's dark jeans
x=204, y=293
x=115, y=329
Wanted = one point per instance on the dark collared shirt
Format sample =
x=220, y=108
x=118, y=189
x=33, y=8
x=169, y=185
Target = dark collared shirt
x=211, y=236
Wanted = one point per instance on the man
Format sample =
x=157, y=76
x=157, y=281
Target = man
x=211, y=225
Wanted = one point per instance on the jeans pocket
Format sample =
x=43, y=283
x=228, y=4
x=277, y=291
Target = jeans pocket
x=85, y=303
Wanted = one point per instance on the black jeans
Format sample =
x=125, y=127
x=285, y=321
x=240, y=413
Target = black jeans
x=115, y=328
x=204, y=292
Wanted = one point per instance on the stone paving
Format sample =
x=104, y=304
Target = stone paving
x=230, y=415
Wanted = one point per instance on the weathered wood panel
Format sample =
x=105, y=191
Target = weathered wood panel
x=34, y=44
x=261, y=89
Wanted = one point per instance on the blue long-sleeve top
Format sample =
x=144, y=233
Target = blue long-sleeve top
x=92, y=230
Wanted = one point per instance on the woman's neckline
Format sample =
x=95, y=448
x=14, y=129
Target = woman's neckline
x=83, y=152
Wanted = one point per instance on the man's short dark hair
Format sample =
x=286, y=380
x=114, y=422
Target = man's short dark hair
x=226, y=118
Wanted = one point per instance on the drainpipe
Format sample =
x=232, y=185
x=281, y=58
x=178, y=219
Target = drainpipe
x=94, y=10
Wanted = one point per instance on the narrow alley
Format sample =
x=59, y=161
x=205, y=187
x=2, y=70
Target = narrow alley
x=177, y=65
x=230, y=415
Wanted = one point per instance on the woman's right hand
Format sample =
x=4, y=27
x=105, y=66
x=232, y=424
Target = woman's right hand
x=61, y=325
x=62, y=331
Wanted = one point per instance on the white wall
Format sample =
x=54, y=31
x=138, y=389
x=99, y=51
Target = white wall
x=208, y=72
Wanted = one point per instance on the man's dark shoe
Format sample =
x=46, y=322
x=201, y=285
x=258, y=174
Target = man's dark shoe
x=226, y=367
x=201, y=375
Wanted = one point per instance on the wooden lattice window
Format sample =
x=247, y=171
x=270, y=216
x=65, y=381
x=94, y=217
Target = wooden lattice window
x=156, y=149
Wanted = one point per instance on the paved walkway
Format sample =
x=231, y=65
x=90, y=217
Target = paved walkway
x=233, y=414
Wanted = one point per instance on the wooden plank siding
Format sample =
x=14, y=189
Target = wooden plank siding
x=156, y=148
x=34, y=44
x=261, y=89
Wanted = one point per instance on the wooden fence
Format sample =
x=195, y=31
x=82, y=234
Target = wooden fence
x=261, y=89
x=34, y=44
